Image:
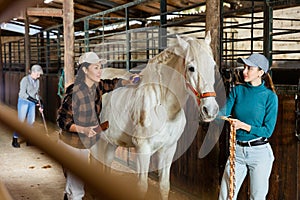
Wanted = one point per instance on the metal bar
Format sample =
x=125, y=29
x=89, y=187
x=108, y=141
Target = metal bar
x=134, y=3
x=128, y=41
x=222, y=35
x=268, y=30
x=252, y=26
x=19, y=52
x=10, y=56
x=163, y=21
x=58, y=49
x=47, y=52
x=86, y=35
x=39, y=53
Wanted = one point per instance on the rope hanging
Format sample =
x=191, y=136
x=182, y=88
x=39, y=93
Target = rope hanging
x=232, y=146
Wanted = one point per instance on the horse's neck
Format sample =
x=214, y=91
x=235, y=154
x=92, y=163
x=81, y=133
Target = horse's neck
x=167, y=70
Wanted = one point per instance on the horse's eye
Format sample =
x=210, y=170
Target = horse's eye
x=191, y=69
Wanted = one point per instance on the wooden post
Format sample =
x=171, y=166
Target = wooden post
x=213, y=25
x=68, y=21
x=4, y=194
x=27, y=44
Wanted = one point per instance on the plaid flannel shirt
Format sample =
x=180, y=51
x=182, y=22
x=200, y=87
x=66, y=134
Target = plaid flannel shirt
x=82, y=106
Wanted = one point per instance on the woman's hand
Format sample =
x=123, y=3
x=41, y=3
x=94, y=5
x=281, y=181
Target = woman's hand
x=41, y=109
x=88, y=131
x=237, y=124
x=133, y=80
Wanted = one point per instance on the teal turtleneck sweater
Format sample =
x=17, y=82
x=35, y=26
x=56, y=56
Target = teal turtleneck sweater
x=254, y=105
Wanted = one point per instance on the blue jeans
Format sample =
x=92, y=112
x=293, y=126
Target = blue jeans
x=258, y=161
x=26, y=109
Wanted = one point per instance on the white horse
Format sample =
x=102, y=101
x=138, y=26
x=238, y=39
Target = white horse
x=150, y=116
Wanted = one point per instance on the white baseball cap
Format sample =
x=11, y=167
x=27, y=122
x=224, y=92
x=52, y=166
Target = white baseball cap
x=91, y=58
x=256, y=60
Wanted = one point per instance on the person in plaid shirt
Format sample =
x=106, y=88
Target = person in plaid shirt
x=78, y=115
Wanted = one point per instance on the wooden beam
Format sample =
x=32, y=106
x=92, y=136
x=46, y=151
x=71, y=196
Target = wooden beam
x=10, y=9
x=46, y=12
x=68, y=21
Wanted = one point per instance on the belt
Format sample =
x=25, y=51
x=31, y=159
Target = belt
x=260, y=141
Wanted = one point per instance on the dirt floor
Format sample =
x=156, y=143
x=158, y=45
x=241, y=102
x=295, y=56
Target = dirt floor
x=29, y=174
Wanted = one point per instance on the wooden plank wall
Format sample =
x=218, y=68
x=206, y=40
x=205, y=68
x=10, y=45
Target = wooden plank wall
x=48, y=92
x=284, y=181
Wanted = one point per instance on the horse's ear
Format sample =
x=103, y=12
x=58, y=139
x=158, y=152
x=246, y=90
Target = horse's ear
x=208, y=38
x=184, y=44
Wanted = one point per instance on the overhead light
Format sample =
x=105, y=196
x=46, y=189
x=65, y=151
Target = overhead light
x=48, y=1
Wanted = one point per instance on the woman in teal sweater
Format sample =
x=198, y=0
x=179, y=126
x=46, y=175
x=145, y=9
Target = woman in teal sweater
x=253, y=107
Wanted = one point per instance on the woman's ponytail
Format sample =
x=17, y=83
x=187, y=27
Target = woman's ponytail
x=269, y=82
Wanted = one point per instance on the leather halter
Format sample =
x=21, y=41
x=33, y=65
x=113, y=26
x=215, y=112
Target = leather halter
x=202, y=95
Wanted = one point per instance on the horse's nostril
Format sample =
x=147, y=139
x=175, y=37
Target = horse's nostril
x=208, y=111
x=205, y=110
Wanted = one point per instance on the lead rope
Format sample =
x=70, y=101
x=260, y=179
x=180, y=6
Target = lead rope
x=232, y=143
x=232, y=146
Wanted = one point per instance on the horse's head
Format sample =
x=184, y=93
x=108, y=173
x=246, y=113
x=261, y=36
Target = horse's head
x=200, y=74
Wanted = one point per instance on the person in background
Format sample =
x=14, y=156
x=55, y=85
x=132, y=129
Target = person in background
x=28, y=99
x=78, y=115
x=253, y=107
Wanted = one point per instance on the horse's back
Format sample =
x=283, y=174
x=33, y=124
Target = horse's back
x=116, y=110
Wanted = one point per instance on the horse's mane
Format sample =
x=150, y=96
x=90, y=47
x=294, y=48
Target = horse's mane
x=169, y=58
x=164, y=76
x=166, y=57
x=163, y=57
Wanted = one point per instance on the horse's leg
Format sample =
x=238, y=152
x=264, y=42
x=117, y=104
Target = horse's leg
x=143, y=162
x=102, y=154
x=165, y=158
